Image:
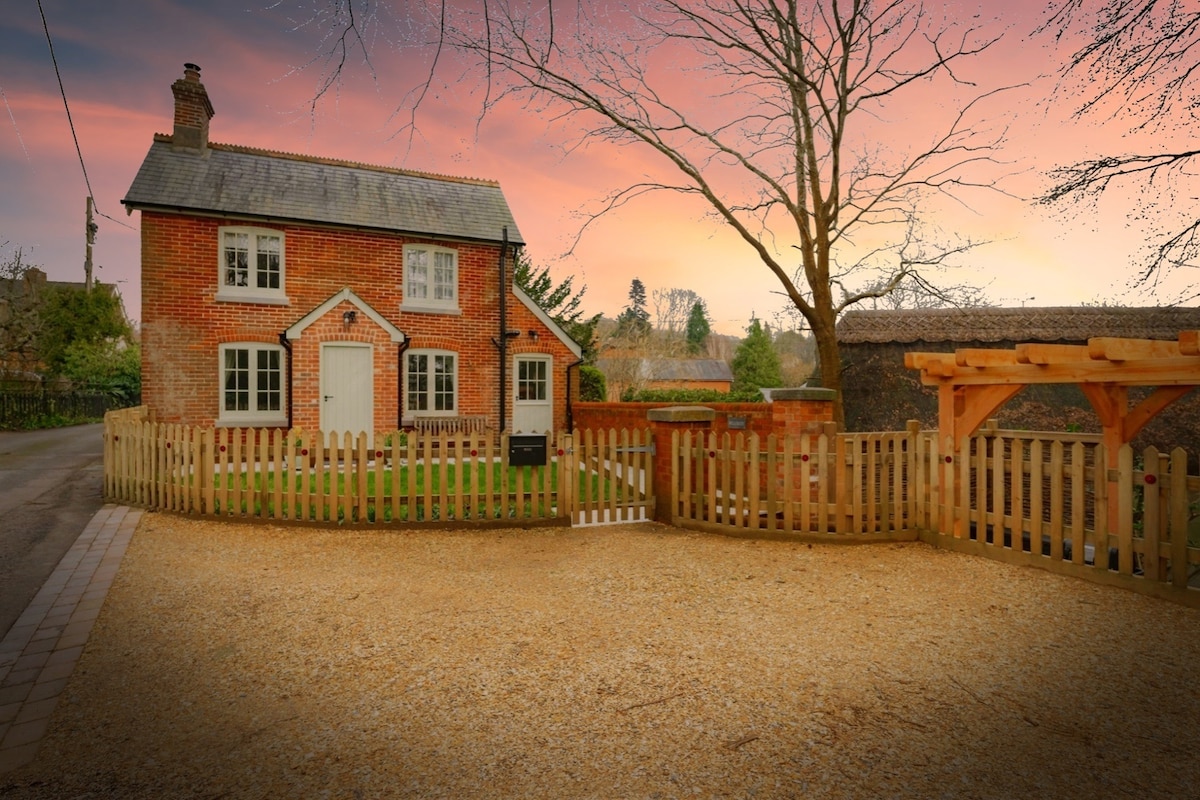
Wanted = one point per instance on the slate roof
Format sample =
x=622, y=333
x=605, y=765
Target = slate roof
x=1065, y=324
x=692, y=369
x=675, y=369
x=269, y=185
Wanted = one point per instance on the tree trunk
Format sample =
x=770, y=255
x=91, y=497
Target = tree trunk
x=829, y=363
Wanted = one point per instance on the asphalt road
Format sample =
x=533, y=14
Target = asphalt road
x=50, y=487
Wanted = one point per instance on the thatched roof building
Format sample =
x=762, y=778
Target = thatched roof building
x=1067, y=325
x=880, y=394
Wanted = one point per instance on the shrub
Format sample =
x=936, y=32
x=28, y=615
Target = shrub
x=592, y=387
x=690, y=396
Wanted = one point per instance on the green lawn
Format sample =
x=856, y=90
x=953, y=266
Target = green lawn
x=407, y=482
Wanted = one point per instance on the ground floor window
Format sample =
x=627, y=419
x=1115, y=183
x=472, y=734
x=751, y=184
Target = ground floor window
x=252, y=383
x=431, y=379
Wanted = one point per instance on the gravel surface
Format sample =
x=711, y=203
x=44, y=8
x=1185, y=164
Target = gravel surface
x=254, y=661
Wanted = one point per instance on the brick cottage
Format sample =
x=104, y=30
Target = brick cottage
x=293, y=291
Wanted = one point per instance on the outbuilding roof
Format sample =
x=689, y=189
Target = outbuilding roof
x=1063, y=324
x=672, y=369
x=269, y=185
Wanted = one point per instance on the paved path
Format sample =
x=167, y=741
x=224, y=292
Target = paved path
x=39, y=652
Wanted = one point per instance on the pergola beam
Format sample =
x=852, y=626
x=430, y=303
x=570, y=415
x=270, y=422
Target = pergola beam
x=973, y=382
x=1180, y=371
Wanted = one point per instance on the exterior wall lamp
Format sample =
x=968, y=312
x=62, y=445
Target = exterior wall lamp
x=349, y=317
x=533, y=335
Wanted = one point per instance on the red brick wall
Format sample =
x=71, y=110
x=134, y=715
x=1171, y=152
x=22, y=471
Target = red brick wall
x=183, y=325
x=762, y=418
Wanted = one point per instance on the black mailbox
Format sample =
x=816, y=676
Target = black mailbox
x=527, y=450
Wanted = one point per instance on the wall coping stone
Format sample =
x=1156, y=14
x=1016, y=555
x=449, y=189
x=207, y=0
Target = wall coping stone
x=804, y=393
x=681, y=414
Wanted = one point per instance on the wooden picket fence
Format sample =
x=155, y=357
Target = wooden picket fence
x=1046, y=500
x=390, y=478
x=1038, y=499
x=1053, y=502
x=847, y=485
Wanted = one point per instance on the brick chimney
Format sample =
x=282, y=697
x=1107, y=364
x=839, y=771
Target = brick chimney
x=192, y=110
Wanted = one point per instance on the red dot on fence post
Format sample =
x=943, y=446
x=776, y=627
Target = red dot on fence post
x=1151, y=480
x=712, y=453
x=804, y=457
x=304, y=452
x=474, y=452
x=949, y=459
x=379, y=454
x=222, y=448
x=562, y=452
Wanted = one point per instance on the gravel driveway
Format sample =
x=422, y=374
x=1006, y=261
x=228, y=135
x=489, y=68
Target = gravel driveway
x=252, y=661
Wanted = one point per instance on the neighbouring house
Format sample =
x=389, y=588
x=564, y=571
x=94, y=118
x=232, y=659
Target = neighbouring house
x=624, y=370
x=290, y=290
x=879, y=393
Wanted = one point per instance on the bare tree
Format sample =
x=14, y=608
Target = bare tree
x=672, y=307
x=769, y=111
x=1139, y=64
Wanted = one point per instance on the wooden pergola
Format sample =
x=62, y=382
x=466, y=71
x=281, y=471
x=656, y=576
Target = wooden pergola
x=973, y=383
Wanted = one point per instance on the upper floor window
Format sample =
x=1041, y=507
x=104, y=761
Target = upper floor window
x=252, y=384
x=251, y=265
x=430, y=277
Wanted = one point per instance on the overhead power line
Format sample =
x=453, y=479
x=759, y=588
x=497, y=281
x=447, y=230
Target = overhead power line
x=70, y=121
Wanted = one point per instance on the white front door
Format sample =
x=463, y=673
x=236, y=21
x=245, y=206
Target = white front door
x=533, y=406
x=347, y=388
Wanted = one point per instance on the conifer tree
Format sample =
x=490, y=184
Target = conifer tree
x=756, y=364
x=698, y=328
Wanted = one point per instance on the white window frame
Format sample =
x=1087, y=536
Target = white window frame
x=252, y=414
x=430, y=390
x=255, y=246
x=421, y=290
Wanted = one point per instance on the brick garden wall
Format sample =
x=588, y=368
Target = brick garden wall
x=790, y=416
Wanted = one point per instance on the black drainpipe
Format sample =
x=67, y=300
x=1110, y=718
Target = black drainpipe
x=570, y=404
x=287, y=347
x=400, y=382
x=502, y=345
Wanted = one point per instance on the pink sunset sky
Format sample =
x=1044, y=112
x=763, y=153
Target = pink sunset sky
x=118, y=60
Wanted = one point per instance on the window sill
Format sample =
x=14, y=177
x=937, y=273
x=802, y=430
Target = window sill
x=411, y=308
x=257, y=422
x=254, y=299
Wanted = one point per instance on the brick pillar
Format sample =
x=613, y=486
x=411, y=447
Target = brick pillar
x=663, y=423
x=803, y=410
x=800, y=412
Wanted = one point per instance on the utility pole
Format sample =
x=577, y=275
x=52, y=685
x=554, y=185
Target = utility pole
x=91, y=240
